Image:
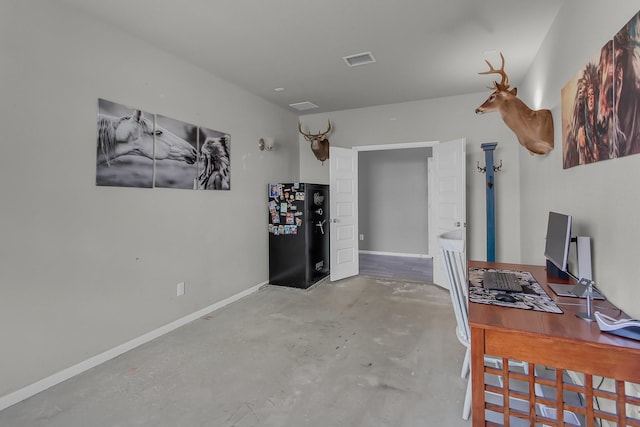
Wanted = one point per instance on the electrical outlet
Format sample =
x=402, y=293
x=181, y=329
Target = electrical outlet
x=362, y=237
x=180, y=289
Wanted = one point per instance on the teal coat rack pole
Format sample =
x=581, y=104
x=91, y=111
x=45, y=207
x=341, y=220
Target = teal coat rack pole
x=491, y=213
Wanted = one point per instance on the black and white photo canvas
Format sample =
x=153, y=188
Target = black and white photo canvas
x=176, y=143
x=124, y=146
x=214, y=170
x=136, y=148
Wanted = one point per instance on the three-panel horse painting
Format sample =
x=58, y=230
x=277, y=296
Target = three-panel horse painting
x=136, y=148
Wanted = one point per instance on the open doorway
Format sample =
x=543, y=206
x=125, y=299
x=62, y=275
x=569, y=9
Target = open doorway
x=393, y=206
x=446, y=204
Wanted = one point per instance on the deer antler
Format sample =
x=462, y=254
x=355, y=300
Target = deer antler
x=328, y=129
x=504, y=84
x=306, y=135
x=309, y=136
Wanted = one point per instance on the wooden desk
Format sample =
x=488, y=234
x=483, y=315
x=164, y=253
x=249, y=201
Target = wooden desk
x=560, y=341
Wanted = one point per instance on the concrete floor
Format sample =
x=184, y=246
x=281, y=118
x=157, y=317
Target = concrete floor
x=358, y=352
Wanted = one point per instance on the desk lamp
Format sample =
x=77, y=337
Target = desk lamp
x=584, y=288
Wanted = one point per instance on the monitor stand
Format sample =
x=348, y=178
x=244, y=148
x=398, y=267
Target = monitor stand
x=565, y=290
x=583, y=253
x=585, y=288
x=554, y=271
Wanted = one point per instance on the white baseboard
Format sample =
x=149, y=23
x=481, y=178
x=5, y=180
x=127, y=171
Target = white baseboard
x=395, y=254
x=45, y=383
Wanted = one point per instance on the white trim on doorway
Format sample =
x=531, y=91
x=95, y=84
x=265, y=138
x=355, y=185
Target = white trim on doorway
x=398, y=146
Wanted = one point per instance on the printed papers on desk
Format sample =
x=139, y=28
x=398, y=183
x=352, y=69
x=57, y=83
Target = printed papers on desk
x=628, y=328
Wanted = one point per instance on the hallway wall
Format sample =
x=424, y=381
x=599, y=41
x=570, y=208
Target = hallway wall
x=442, y=119
x=393, y=200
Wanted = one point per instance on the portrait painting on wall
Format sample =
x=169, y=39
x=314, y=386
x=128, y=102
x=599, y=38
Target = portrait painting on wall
x=124, y=146
x=626, y=45
x=601, y=103
x=587, y=111
x=214, y=164
x=176, y=144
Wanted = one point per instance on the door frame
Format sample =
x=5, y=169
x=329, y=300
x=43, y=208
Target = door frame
x=409, y=145
x=404, y=146
x=398, y=146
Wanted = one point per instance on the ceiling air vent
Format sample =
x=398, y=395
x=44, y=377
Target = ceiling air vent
x=302, y=106
x=359, y=59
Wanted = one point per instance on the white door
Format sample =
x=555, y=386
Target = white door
x=343, y=211
x=448, y=198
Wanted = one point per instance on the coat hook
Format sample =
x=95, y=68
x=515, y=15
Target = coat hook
x=484, y=169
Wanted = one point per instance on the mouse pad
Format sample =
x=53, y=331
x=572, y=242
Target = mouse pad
x=533, y=297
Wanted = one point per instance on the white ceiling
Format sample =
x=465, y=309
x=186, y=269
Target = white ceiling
x=423, y=48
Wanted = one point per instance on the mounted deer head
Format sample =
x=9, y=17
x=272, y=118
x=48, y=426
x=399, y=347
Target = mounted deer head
x=534, y=128
x=319, y=142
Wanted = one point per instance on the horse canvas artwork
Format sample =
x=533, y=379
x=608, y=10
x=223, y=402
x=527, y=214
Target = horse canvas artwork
x=140, y=149
x=124, y=146
x=170, y=173
x=215, y=161
x=601, y=103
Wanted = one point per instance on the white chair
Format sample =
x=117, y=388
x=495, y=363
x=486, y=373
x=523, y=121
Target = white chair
x=452, y=248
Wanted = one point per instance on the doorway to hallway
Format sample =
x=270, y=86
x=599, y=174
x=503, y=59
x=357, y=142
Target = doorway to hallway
x=397, y=267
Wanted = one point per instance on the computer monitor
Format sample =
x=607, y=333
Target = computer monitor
x=558, y=241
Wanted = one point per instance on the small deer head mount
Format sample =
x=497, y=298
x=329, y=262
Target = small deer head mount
x=534, y=129
x=319, y=142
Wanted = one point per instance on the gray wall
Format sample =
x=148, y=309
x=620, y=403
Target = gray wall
x=392, y=200
x=442, y=119
x=604, y=198
x=86, y=268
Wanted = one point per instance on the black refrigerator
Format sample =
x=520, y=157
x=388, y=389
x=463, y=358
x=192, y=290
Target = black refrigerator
x=298, y=233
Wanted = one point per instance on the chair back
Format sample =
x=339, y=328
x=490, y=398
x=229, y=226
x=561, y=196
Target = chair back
x=452, y=249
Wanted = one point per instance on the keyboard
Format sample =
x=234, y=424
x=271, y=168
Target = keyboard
x=501, y=281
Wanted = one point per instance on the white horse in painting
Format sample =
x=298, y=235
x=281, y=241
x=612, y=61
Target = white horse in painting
x=215, y=164
x=135, y=135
